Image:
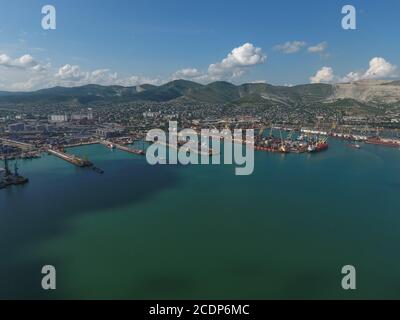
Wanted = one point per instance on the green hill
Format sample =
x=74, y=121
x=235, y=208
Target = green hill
x=219, y=92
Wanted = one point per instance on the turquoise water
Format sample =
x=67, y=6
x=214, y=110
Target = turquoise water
x=200, y=232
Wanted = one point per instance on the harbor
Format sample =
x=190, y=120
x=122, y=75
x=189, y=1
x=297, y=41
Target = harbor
x=272, y=140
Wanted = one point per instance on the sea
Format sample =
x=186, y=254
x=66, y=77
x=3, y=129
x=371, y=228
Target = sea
x=201, y=232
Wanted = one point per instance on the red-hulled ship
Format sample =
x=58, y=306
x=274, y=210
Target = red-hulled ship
x=384, y=142
x=319, y=146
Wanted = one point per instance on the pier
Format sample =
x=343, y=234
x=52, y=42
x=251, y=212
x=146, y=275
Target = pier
x=71, y=158
x=113, y=145
x=200, y=152
x=18, y=144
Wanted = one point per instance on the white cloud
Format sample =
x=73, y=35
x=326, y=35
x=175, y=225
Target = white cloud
x=351, y=76
x=189, y=73
x=290, y=46
x=25, y=73
x=5, y=60
x=319, y=48
x=24, y=62
x=324, y=75
x=139, y=80
x=379, y=68
x=70, y=73
x=258, y=81
x=236, y=63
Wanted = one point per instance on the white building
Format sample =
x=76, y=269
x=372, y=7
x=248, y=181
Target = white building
x=58, y=118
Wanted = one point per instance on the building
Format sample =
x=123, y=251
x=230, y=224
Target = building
x=58, y=118
x=150, y=114
x=83, y=115
x=110, y=131
x=16, y=127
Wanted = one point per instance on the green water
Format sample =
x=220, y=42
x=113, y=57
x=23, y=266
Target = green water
x=171, y=232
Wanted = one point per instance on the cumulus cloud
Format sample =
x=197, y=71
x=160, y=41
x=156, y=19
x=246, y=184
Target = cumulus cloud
x=70, y=73
x=319, y=48
x=324, y=75
x=5, y=60
x=379, y=68
x=290, y=46
x=189, y=73
x=24, y=62
x=26, y=73
x=237, y=62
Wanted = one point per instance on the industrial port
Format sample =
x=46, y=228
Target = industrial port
x=274, y=140
x=120, y=126
x=26, y=151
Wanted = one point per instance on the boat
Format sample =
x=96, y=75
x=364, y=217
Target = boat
x=354, y=146
x=110, y=145
x=98, y=170
x=18, y=180
x=318, y=147
x=383, y=142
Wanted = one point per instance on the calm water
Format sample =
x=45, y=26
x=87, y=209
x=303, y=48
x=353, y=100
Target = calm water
x=201, y=232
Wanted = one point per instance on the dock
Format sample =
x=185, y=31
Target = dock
x=71, y=158
x=18, y=144
x=81, y=144
x=200, y=152
x=122, y=148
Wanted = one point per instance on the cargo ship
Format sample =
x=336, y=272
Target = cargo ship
x=318, y=147
x=384, y=142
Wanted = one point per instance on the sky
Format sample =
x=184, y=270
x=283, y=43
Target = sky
x=130, y=42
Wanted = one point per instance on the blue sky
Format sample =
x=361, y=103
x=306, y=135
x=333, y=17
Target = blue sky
x=129, y=41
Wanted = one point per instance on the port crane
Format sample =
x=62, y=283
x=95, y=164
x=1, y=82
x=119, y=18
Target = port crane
x=271, y=133
x=261, y=132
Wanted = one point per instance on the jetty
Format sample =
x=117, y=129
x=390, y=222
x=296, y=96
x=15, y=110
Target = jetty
x=18, y=144
x=71, y=158
x=113, y=145
x=200, y=152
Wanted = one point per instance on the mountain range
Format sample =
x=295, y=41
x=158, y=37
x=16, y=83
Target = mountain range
x=369, y=92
